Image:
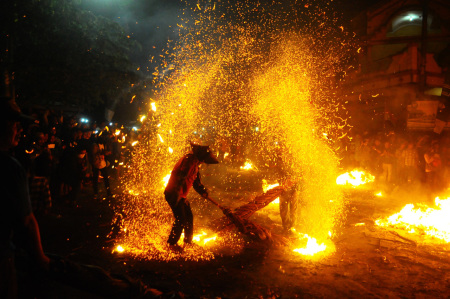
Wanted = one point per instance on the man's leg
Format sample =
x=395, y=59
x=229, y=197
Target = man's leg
x=179, y=214
x=293, y=207
x=106, y=180
x=284, y=208
x=188, y=223
x=95, y=173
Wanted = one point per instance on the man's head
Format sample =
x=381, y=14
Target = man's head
x=204, y=154
x=10, y=127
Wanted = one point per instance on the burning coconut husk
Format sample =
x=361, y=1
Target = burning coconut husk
x=252, y=230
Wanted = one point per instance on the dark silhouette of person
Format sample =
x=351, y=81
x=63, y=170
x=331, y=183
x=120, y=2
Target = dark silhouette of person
x=16, y=216
x=184, y=176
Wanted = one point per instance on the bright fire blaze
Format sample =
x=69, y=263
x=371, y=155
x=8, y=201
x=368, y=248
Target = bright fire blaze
x=266, y=187
x=247, y=166
x=312, y=248
x=422, y=219
x=222, y=78
x=120, y=249
x=355, y=178
x=166, y=180
x=204, y=238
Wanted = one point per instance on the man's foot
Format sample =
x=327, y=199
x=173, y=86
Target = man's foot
x=288, y=232
x=175, y=248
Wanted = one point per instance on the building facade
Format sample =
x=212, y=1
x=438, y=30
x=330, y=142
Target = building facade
x=402, y=64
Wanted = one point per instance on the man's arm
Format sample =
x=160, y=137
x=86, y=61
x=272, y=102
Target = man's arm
x=32, y=241
x=198, y=186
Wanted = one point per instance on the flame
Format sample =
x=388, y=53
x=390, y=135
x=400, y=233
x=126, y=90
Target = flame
x=153, y=105
x=117, y=133
x=134, y=143
x=170, y=150
x=355, y=178
x=225, y=155
x=434, y=222
x=202, y=238
x=312, y=247
x=379, y=194
x=120, y=249
x=160, y=138
x=166, y=179
x=143, y=117
x=247, y=166
x=266, y=187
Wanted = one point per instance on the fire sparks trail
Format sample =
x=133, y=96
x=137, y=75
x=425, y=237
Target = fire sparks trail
x=259, y=83
x=431, y=221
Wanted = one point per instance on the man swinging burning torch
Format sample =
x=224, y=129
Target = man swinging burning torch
x=185, y=175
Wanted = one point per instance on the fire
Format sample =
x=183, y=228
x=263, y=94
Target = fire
x=143, y=117
x=166, y=179
x=266, y=187
x=153, y=105
x=379, y=194
x=247, y=166
x=203, y=238
x=312, y=246
x=434, y=222
x=119, y=249
x=170, y=150
x=355, y=178
x=134, y=143
x=117, y=133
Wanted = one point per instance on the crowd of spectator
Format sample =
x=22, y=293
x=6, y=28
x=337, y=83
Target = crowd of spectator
x=399, y=160
x=62, y=155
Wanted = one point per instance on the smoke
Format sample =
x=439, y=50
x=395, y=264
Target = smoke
x=151, y=22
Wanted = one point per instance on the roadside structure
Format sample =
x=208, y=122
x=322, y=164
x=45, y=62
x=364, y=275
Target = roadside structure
x=402, y=64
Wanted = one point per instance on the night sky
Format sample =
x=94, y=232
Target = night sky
x=154, y=22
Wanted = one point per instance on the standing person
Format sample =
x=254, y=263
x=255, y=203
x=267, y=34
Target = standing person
x=433, y=166
x=16, y=216
x=289, y=197
x=387, y=160
x=184, y=176
x=376, y=156
x=100, y=165
x=365, y=150
x=410, y=159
